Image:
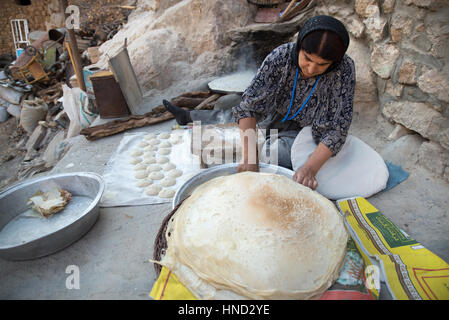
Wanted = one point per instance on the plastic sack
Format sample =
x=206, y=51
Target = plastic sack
x=75, y=104
x=357, y=170
x=10, y=95
x=32, y=112
x=4, y=115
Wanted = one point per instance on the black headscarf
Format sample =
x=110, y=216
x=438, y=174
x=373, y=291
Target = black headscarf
x=327, y=23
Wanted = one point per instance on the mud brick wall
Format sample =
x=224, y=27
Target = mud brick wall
x=36, y=14
x=47, y=14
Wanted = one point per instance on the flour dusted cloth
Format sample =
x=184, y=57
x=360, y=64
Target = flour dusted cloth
x=357, y=170
x=119, y=175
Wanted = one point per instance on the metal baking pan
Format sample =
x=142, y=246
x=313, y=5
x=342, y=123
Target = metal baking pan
x=23, y=235
x=222, y=170
x=232, y=83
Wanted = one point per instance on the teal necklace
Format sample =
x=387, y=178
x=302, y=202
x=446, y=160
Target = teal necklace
x=293, y=96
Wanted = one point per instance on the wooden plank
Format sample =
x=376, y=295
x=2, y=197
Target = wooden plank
x=117, y=126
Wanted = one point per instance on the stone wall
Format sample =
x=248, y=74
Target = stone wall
x=408, y=42
x=36, y=15
x=44, y=15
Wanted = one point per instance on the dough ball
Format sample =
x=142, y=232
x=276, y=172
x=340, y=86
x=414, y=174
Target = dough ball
x=167, y=182
x=149, y=154
x=143, y=144
x=164, y=135
x=161, y=160
x=165, y=144
x=141, y=174
x=176, y=140
x=157, y=175
x=140, y=166
x=136, y=153
x=154, y=141
x=166, y=193
x=164, y=151
x=144, y=183
x=150, y=148
x=153, y=190
x=173, y=173
x=168, y=166
x=150, y=136
x=135, y=160
x=154, y=167
x=149, y=160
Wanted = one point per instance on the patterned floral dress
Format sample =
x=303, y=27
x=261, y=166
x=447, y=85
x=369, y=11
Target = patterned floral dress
x=328, y=111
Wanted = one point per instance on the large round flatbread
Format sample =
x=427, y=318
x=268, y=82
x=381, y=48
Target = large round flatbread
x=258, y=236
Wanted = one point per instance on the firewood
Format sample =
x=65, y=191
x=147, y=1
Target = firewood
x=186, y=102
x=117, y=126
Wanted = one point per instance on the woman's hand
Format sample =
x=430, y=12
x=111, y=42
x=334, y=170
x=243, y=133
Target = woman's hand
x=306, y=176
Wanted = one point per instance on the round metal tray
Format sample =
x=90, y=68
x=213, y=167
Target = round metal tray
x=222, y=170
x=23, y=235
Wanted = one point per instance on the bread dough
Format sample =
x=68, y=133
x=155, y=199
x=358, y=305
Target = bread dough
x=141, y=174
x=136, y=153
x=153, y=190
x=167, y=182
x=162, y=160
x=149, y=154
x=176, y=140
x=173, y=173
x=164, y=151
x=168, y=166
x=140, y=166
x=165, y=144
x=154, y=168
x=143, y=144
x=164, y=135
x=150, y=148
x=150, y=136
x=135, y=160
x=166, y=193
x=144, y=183
x=154, y=141
x=149, y=160
x=156, y=175
x=257, y=236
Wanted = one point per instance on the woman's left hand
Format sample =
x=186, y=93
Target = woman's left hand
x=306, y=176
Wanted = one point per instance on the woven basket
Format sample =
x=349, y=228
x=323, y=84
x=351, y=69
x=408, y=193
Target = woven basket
x=266, y=3
x=160, y=243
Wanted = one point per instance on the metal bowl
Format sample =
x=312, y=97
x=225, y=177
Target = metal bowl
x=222, y=170
x=25, y=236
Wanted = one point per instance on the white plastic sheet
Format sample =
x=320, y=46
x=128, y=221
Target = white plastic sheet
x=120, y=183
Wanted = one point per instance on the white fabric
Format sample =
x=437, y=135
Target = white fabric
x=357, y=170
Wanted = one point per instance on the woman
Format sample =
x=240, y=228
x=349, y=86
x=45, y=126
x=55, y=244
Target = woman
x=307, y=83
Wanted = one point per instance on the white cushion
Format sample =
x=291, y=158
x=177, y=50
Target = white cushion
x=357, y=170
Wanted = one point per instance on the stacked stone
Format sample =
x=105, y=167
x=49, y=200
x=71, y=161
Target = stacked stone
x=409, y=44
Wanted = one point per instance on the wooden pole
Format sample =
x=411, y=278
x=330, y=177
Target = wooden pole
x=74, y=50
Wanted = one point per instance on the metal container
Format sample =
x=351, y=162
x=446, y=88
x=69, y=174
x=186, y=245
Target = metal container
x=108, y=96
x=222, y=170
x=23, y=235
